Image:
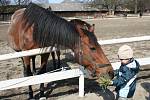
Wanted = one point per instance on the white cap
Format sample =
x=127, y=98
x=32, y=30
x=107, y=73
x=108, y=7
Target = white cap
x=125, y=52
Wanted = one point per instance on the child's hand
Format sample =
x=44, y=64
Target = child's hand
x=111, y=83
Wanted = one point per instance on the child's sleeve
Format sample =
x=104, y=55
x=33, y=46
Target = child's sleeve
x=137, y=68
x=124, y=78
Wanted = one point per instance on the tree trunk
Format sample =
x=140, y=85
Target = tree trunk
x=135, y=7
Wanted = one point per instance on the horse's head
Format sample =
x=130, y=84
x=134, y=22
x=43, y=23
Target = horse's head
x=90, y=54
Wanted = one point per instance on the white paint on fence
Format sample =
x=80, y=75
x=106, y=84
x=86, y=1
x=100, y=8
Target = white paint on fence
x=124, y=40
x=43, y=78
x=26, y=53
x=81, y=82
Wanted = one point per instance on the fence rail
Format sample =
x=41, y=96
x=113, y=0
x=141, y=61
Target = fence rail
x=26, y=53
x=48, y=77
x=124, y=40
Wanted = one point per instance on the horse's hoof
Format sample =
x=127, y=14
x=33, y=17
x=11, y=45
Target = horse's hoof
x=42, y=98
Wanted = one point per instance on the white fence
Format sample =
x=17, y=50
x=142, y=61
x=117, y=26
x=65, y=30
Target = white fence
x=49, y=77
x=124, y=40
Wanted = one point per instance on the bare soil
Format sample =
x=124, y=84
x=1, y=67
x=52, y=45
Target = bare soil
x=107, y=28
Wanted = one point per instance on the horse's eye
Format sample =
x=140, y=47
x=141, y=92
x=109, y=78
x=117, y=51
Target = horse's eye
x=93, y=49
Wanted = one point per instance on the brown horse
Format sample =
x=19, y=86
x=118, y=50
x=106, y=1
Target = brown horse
x=37, y=27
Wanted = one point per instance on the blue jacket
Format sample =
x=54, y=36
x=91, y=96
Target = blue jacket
x=125, y=80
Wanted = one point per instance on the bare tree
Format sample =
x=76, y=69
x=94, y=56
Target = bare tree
x=110, y=5
x=4, y=2
x=22, y=2
x=138, y=5
x=135, y=6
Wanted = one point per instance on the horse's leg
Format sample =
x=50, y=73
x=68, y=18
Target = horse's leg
x=58, y=56
x=33, y=65
x=44, y=59
x=54, y=60
x=27, y=72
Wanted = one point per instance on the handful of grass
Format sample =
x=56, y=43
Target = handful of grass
x=104, y=82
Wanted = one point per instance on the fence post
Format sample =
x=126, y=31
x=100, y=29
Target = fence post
x=81, y=82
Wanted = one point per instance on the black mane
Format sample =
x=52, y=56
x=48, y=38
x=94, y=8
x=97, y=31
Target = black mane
x=49, y=29
x=91, y=37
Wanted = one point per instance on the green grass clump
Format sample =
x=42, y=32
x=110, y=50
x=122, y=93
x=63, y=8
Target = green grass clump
x=104, y=81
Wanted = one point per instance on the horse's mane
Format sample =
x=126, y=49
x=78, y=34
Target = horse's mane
x=49, y=29
x=91, y=37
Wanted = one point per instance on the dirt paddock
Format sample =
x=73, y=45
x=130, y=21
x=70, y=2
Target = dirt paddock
x=109, y=28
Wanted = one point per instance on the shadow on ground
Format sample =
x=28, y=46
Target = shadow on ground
x=146, y=86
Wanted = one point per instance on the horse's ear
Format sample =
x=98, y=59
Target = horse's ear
x=85, y=27
x=92, y=28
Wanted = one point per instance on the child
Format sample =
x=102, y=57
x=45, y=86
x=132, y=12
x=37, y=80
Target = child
x=125, y=80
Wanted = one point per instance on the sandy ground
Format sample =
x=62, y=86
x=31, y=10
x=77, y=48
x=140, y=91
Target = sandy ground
x=68, y=89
